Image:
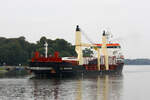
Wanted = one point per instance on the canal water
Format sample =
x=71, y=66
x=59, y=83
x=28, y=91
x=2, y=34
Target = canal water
x=133, y=84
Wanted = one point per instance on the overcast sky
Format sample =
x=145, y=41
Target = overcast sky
x=128, y=20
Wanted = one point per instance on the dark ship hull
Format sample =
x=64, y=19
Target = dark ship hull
x=59, y=69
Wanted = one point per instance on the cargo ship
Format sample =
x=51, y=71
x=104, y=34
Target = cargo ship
x=108, y=59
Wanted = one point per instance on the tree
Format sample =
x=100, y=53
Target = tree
x=15, y=51
x=87, y=52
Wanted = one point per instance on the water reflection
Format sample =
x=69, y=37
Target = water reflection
x=83, y=88
x=91, y=88
x=45, y=89
x=132, y=86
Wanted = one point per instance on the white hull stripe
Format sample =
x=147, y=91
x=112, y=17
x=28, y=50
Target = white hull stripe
x=40, y=68
x=47, y=68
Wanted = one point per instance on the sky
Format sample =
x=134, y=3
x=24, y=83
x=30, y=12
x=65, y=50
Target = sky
x=128, y=20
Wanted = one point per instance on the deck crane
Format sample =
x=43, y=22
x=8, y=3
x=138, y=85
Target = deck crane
x=79, y=45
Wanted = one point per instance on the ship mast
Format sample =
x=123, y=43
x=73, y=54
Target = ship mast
x=78, y=47
x=46, y=49
x=98, y=58
x=104, y=50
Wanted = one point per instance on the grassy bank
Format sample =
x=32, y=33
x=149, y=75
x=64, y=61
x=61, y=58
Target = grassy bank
x=2, y=70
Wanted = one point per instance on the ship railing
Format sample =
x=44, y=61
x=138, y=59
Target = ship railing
x=112, y=60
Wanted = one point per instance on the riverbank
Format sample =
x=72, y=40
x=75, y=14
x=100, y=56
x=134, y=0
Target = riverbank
x=12, y=72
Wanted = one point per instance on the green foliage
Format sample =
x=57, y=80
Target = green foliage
x=87, y=52
x=15, y=51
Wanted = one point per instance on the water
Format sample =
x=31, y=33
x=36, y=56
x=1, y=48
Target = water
x=134, y=84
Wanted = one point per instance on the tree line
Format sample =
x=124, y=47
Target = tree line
x=141, y=61
x=15, y=51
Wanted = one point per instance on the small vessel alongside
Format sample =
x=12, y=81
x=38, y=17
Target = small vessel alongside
x=109, y=59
